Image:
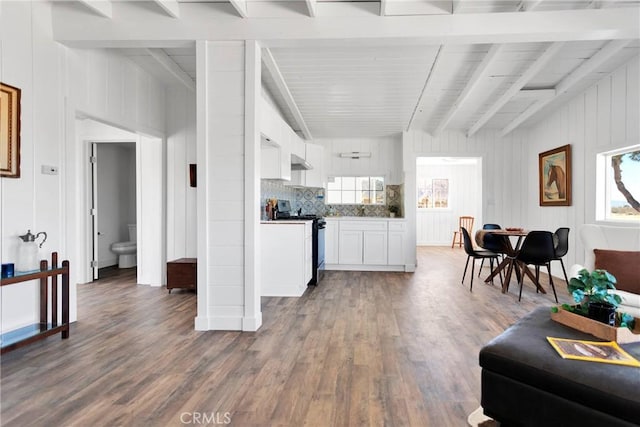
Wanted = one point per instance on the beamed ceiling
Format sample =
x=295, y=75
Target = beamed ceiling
x=359, y=68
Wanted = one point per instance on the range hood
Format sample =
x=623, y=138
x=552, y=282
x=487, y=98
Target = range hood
x=299, y=164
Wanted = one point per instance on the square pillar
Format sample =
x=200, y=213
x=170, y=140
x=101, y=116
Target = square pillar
x=228, y=86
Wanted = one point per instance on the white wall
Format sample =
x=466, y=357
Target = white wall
x=602, y=118
x=116, y=170
x=435, y=227
x=181, y=151
x=501, y=201
x=385, y=160
x=57, y=83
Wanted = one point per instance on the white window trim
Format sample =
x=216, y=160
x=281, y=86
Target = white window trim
x=384, y=190
x=603, y=179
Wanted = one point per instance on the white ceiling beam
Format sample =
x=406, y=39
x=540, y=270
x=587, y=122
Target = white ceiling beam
x=421, y=98
x=588, y=66
x=548, y=54
x=170, y=65
x=311, y=6
x=276, y=75
x=529, y=5
x=476, y=80
x=480, y=73
x=383, y=7
x=240, y=7
x=101, y=7
x=171, y=7
x=536, y=94
x=209, y=22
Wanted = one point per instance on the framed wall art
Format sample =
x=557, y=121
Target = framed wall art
x=554, y=170
x=9, y=131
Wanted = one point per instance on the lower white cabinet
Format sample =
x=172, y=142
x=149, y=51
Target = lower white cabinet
x=331, y=242
x=286, y=257
x=365, y=244
x=350, y=247
x=374, y=247
x=397, y=242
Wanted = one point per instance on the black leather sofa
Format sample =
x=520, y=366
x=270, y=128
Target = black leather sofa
x=525, y=382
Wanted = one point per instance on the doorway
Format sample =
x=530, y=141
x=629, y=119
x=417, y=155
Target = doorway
x=113, y=166
x=447, y=188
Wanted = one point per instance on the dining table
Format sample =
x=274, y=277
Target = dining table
x=509, y=263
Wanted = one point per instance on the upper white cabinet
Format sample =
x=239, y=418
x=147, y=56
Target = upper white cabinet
x=314, y=155
x=276, y=144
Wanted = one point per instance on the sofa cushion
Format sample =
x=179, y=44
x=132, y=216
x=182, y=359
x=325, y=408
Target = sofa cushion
x=623, y=265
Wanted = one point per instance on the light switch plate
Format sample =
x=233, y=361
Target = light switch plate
x=49, y=170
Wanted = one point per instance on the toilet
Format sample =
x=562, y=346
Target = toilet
x=126, y=251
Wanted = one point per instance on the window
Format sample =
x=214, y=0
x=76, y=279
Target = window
x=619, y=185
x=433, y=193
x=356, y=190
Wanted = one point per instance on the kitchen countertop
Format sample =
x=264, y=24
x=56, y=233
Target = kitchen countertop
x=363, y=218
x=286, y=221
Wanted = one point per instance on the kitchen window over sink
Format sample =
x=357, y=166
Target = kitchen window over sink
x=355, y=190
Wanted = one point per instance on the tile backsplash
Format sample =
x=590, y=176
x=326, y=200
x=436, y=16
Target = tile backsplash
x=311, y=200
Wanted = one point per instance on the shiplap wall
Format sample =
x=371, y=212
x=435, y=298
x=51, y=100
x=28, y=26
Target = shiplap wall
x=435, y=227
x=385, y=160
x=181, y=151
x=604, y=117
x=57, y=83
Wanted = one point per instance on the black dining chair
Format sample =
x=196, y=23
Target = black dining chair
x=561, y=240
x=492, y=242
x=472, y=253
x=538, y=250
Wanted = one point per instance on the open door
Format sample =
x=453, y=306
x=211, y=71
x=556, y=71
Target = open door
x=94, y=208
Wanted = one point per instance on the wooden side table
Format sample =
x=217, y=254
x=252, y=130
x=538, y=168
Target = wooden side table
x=182, y=273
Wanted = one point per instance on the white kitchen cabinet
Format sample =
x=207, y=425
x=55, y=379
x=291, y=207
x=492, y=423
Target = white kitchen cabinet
x=331, y=242
x=365, y=244
x=350, y=250
x=314, y=155
x=273, y=164
x=374, y=251
x=396, y=242
x=286, y=257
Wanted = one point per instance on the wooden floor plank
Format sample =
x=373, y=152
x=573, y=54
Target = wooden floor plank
x=362, y=348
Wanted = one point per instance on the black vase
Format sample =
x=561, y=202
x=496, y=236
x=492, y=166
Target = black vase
x=602, y=312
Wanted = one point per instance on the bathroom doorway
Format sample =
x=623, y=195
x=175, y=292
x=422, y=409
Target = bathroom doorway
x=113, y=186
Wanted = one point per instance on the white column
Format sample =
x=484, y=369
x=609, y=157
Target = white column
x=228, y=295
x=410, y=198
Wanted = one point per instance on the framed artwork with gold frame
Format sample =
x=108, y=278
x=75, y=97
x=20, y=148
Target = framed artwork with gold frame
x=9, y=131
x=554, y=170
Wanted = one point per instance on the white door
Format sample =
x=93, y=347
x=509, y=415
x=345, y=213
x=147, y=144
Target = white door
x=94, y=209
x=396, y=247
x=331, y=239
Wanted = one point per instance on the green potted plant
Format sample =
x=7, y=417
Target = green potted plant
x=394, y=210
x=591, y=292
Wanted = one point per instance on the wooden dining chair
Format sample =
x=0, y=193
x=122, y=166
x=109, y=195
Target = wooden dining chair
x=463, y=222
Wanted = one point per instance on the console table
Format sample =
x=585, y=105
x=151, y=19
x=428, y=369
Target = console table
x=48, y=300
x=525, y=382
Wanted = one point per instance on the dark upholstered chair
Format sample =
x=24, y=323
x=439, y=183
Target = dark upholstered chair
x=472, y=253
x=537, y=249
x=561, y=240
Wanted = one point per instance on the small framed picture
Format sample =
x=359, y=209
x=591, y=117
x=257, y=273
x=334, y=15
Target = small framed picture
x=554, y=170
x=9, y=131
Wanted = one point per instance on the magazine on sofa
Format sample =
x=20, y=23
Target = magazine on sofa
x=593, y=351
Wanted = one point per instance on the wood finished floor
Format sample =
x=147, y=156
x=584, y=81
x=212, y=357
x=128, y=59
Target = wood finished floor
x=361, y=349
